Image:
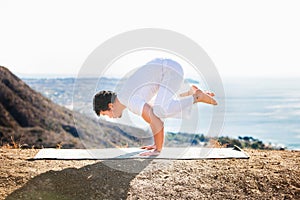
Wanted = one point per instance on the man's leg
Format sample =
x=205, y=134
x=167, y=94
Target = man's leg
x=166, y=104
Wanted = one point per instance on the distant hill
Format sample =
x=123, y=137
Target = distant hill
x=29, y=118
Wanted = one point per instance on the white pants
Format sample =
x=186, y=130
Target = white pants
x=158, y=81
x=167, y=104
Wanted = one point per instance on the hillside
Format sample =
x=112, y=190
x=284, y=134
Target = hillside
x=30, y=119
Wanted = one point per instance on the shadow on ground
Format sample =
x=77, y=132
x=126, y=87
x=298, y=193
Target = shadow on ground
x=96, y=181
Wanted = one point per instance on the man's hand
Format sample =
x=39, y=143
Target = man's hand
x=150, y=153
x=149, y=147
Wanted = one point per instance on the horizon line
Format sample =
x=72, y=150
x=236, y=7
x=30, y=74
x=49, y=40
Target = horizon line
x=54, y=75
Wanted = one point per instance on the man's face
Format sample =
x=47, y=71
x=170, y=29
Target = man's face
x=108, y=113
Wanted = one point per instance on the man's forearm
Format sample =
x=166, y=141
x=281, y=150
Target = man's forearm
x=159, y=139
x=157, y=126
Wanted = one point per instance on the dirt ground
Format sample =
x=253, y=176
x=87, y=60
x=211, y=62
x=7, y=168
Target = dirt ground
x=266, y=175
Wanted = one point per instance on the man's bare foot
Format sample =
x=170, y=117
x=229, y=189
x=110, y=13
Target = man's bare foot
x=209, y=93
x=193, y=90
x=200, y=96
x=149, y=147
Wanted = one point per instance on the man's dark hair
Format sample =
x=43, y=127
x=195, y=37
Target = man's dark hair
x=102, y=99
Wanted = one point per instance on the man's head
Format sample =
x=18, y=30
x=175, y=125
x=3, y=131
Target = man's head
x=103, y=101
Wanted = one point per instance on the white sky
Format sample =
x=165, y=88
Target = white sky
x=243, y=38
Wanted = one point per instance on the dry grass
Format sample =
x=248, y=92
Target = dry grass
x=59, y=145
x=213, y=143
x=19, y=145
x=13, y=144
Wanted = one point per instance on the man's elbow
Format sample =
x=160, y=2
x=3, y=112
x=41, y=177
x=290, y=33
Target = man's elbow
x=150, y=117
x=156, y=121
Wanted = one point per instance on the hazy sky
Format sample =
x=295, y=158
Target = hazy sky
x=243, y=38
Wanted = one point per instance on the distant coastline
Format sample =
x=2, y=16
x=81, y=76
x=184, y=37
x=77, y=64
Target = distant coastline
x=246, y=142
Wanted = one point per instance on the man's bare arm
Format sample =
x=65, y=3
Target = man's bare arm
x=156, y=125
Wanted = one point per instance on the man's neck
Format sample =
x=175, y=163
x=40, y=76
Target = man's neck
x=118, y=106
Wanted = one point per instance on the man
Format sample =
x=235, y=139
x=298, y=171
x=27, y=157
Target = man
x=159, y=79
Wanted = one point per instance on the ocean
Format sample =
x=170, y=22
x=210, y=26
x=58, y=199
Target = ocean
x=267, y=109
